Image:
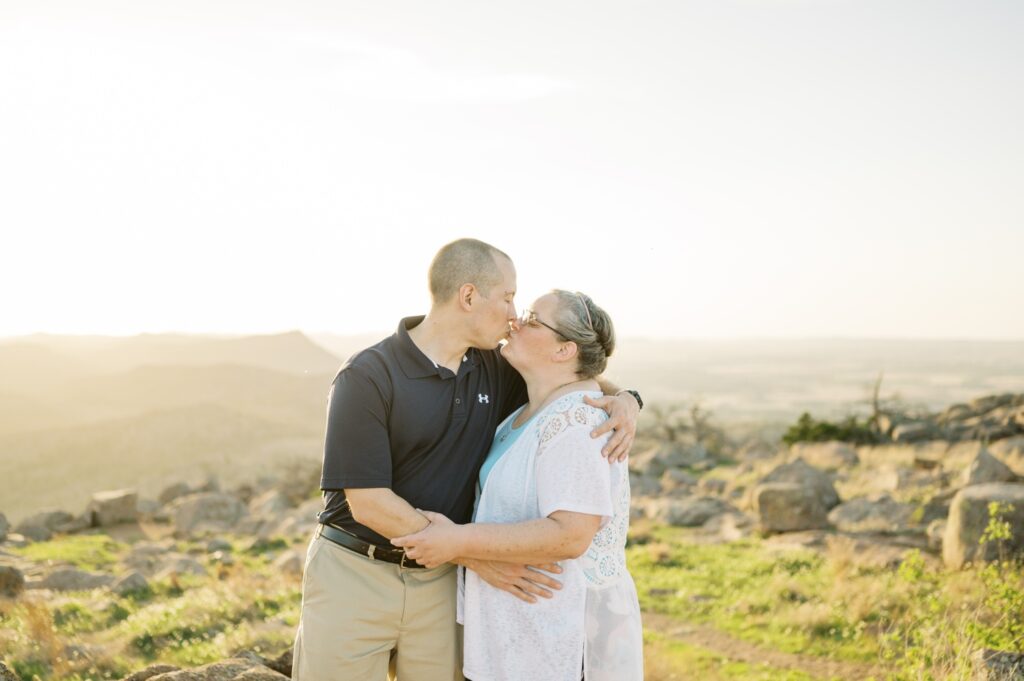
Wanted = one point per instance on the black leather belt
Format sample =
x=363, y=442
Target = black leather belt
x=388, y=554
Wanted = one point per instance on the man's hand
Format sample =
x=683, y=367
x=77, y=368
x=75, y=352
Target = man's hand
x=434, y=545
x=623, y=412
x=525, y=582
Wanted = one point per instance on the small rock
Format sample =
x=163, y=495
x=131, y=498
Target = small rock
x=828, y=456
x=151, y=671
x=800, y=473
x=35, y=532
x=207, y=511
x=674, y=478
x=271, y=502
x=218, y=544
x=4, y=527
x=172, y=492
x=714, y=486
x=690, y=511
x=290, y=563
x=282, y=663
x=225, y=670
x=936, y=530
x=12, y=581
x=878, y=513
x=260, y=674
x=222, y=558
x=113, y=507
x=183, y=565
x=133, y=581
x=997, y=665
x=147, y=508
x=48, y=519
x=72, y=579
x=788, y=506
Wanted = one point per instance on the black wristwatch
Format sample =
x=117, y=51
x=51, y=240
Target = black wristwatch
x=635, y=395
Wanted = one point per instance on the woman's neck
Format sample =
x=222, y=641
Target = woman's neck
x=543, y=390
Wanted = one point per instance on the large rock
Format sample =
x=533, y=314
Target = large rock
x=829, y=456
x=969, y=516
x=689, y=511
x=12, y=581
x=290, y=562
x=987, y=468
x=879, y=513
x=113, y=507
x=4, y=527
x=800, y=473
x=789, y=506
x=73, y=579
x=208, y=511
x=6, y=674
x=997, y=665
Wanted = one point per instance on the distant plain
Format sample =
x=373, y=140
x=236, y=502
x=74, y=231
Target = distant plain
x=83, y=414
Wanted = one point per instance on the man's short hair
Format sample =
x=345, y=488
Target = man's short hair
x=464, y=261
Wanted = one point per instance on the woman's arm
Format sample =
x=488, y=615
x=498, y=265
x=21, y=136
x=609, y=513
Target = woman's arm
x=561, y=535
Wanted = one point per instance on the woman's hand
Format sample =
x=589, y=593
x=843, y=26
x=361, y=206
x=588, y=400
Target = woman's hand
x=434, y=545
x=623, y=413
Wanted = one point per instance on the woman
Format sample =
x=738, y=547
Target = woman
x=547, y=494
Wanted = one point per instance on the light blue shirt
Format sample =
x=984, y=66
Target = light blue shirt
x=503, y=441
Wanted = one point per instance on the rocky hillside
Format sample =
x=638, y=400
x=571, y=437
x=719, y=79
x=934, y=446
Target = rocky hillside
x=820, y=560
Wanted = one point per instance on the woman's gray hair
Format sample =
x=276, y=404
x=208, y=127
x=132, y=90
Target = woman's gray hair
x=580, y=320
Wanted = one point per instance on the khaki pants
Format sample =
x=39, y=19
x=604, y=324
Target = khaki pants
x=360, y=615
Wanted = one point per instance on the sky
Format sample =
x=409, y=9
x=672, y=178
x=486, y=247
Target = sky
x=712, y=169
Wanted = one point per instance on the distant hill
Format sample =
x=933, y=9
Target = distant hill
x=63, y=467
x=289, y=352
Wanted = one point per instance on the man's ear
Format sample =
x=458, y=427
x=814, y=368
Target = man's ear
x=467, y=296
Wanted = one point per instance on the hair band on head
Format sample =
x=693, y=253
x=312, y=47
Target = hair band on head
x=590, y=320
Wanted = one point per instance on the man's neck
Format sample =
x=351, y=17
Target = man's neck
x=439, y=339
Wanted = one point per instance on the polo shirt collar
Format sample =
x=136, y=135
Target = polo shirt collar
x=412, y=360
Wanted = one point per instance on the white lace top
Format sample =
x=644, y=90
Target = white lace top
x=592, y=624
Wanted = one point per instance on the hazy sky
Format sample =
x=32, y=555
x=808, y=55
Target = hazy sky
x=703, y=169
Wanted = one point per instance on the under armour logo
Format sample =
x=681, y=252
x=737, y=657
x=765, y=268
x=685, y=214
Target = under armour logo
x=484, y=399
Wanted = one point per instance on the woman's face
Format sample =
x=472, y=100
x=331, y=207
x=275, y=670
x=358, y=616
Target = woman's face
x=532, y=342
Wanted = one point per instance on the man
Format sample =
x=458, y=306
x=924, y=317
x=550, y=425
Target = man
x=409, y=422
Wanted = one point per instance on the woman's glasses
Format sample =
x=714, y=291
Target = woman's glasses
x=529, y=318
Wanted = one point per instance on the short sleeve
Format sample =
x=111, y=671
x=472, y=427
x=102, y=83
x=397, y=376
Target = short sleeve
x=357, y=450
x=573, y=476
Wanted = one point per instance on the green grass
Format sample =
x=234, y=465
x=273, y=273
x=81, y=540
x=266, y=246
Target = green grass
x=86, y=551
x=665, y=660
x=779, y=601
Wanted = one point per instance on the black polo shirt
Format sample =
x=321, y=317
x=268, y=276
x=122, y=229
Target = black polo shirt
x=396, y=420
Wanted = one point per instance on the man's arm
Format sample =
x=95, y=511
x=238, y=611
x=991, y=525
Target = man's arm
x=525, y=582
x=384, y=512
x=623, y=411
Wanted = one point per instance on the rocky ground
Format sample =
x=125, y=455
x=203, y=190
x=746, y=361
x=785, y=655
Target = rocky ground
x=203, y=582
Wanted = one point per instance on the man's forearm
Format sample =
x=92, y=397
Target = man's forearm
x=384, y=512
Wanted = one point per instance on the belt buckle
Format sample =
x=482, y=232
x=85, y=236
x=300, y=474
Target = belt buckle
x=401, y=563
x=371, y=551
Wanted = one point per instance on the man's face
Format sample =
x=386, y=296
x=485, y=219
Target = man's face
x=498, y=307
